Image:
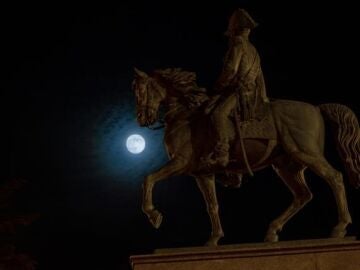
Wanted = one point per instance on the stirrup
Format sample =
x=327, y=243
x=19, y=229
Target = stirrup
x=217, y=159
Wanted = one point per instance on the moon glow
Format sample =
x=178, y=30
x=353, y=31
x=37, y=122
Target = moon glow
x=135, y=144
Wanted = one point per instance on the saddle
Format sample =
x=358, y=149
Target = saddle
x=259, y=128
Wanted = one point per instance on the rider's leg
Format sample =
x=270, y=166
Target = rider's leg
x=219, y=119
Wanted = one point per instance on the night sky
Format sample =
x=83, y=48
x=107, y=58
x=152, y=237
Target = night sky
x=67, y=109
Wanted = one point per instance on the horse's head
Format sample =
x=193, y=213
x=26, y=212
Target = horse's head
x=149, y=95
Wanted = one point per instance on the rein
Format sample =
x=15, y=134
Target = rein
x=160, y=126
x=161, y=121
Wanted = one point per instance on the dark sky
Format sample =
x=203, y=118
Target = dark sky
x=68, y=108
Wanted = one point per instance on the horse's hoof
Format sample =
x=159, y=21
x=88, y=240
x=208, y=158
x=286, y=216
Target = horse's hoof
x=338, y=233
x=155, y=218
x=212, y=243
x=272, y=238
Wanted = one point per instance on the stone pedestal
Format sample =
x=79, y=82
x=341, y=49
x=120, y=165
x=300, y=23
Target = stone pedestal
x=324, y=254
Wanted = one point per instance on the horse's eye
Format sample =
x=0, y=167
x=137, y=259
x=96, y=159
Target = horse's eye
x=142, y=90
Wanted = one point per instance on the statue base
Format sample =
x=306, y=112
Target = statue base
x=316, y=254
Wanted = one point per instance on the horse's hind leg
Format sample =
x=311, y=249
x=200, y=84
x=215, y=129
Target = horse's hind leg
x=206, y=184
x=173, y=167
x=334, y=178
x=293, y=176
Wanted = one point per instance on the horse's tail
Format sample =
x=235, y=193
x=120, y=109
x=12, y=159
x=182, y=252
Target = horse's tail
x=347, y=133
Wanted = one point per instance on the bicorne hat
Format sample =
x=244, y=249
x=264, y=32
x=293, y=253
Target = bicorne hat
x=239, y=20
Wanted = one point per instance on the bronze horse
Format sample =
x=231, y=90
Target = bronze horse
x=299, y=145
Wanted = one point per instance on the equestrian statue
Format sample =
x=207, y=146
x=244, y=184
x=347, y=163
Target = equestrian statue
x=239, y=131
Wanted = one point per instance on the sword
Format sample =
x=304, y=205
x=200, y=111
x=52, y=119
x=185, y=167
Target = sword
x=237, y=123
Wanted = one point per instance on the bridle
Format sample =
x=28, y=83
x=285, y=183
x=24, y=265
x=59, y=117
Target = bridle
x=147, y=107
x=160, y=126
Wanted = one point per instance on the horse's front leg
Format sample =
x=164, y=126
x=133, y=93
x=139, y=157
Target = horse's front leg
x=173, y=167
x=206, y=184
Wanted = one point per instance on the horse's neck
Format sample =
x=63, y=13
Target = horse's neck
x=176, y=111
x=177, y=126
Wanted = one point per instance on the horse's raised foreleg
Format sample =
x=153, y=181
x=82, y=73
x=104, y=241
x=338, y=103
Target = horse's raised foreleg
x=206, y=184
x=334, y=178
x=293, y=176
x=173, y=167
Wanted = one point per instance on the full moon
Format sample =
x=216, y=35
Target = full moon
x=135, y=144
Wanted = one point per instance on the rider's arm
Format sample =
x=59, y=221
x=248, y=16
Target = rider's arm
x=231, y=65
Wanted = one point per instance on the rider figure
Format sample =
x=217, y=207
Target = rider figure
x=241, y=81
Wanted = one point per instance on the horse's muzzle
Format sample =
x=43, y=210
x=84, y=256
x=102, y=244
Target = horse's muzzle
x=145, y=120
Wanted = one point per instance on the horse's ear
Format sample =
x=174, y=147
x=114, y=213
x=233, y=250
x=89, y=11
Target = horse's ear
x=140, y=73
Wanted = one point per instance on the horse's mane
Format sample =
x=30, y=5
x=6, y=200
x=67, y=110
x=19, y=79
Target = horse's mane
x=181, y=80
x=184, y=83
